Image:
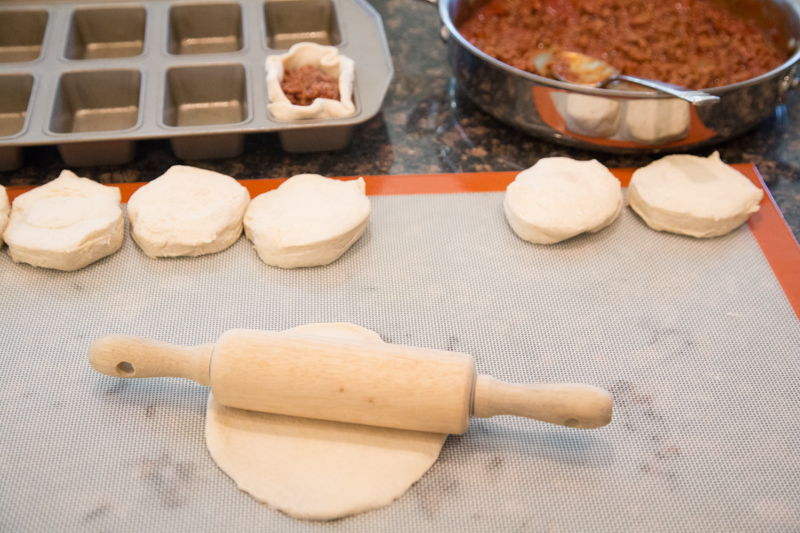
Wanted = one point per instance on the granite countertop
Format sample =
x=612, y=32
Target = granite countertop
x=427, y=127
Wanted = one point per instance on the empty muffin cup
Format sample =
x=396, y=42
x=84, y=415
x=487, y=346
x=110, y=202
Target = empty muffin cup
x=205, y=29
x=289, y=22
x=21, y=34
x=109, y=32
x=15, y=96
x=96, y=101
x=206, y=96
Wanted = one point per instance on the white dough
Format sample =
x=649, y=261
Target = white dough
x=657, y=121
x=308, y=221
x=329, y=61
x=558, y=198
x=187, y=211
x=5, y=209
x=316, y=469
x=592, y=115
x=696, y=196
x=65, y=224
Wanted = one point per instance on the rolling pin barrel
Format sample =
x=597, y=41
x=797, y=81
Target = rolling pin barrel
x=349, y=381
x=386, y=385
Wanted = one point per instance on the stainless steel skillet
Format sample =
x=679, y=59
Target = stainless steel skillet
x=622, y=121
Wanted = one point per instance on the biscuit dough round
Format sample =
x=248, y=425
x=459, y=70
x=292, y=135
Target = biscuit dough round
x=5, y=209
x=316, y=469
x=558, y=198
x=695, y=196
x=65, y=224
x=308, y=221
x=187, y=212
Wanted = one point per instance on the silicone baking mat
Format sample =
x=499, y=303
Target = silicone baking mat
x=697, y=340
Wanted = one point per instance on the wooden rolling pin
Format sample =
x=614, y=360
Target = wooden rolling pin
x=349, y=381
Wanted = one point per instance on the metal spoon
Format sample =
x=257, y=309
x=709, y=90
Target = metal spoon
x=586, y=70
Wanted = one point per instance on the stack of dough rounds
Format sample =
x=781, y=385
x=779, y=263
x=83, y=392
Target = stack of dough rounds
x=690, y=195
x=308, y=221
x=65, y=224
x=5, y=208
x=187, y=212
x=558, y=198
x=317, y=469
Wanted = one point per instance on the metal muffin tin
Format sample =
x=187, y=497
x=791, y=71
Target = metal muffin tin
x=95, y=78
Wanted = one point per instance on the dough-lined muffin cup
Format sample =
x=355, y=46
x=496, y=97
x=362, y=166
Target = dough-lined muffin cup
x=329, y=61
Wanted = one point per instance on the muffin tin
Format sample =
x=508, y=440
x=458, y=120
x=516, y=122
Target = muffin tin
x=95, y=78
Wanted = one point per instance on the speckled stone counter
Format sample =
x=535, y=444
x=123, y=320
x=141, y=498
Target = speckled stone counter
x=427, y=127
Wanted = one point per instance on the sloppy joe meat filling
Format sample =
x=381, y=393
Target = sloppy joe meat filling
x=692, y=43
x=307, y=83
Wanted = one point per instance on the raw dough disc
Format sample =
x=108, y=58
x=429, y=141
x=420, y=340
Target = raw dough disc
x=308, y=221
x=558, y=198
x=690, y=195
x=65, y=224
x=5, y=209
x=187, y=212
x=316, y=469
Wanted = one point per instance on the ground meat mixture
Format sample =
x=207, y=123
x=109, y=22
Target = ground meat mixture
x=305, y=84
x=692, y=43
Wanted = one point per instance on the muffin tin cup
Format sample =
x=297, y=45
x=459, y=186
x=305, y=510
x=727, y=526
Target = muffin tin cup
x=21, y=34
x=16, y=91
x=95, y=78
x=106, y=33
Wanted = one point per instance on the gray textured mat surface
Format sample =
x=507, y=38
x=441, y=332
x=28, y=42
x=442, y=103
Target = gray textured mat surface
x=695, y=340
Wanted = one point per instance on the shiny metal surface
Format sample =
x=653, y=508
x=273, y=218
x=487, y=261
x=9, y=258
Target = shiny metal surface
x=537, y=104
x=94, y=78
x=696, y=98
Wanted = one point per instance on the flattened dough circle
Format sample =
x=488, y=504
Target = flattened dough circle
x=65, y=224
x=316, y=469
x=187, y=211
x=690, y=195
x=558, y=198
x=310, y=220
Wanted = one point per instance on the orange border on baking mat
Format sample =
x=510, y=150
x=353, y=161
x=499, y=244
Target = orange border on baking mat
x=776, y=240
x=768, y=226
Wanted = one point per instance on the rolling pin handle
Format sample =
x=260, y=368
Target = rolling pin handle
x=565, y=404
x=124, y=356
